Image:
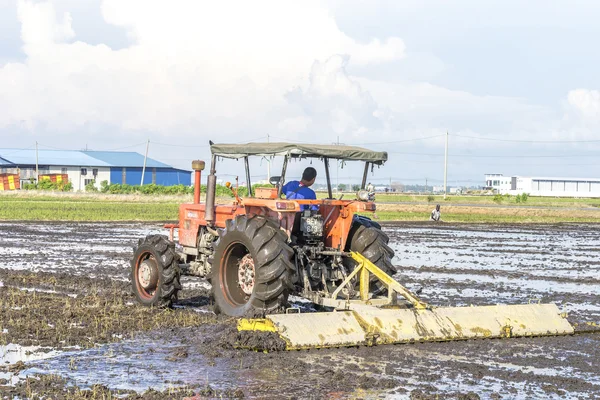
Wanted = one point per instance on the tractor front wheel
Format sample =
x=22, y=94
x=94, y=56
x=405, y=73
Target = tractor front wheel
x=252, y=272
x=155, y=275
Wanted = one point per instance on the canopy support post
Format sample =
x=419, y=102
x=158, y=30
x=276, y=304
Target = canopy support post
x=326, y=161
x=364, y=181
x=282, y=178
x=248, y=183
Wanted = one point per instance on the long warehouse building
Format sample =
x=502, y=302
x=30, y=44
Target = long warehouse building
x=543, y=186
x=82, y=167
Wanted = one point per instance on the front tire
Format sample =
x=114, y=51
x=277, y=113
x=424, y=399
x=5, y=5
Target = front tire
x=155, y=275
x=252, y=272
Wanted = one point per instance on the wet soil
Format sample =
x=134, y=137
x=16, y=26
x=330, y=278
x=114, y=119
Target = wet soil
x=64, y=286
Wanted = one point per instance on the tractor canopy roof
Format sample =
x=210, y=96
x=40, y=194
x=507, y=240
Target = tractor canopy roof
x=339, y=152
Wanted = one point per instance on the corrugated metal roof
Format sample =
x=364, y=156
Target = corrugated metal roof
x=125, y=159
x=78, y=158
x=51, y=157
x=537, y=178
x=5, y=162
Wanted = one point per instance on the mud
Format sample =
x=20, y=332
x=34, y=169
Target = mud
x=64, y=287
x=43, y=386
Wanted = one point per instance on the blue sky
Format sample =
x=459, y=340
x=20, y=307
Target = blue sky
x=514, y=83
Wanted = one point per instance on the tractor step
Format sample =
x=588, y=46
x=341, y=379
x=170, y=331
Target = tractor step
x=368, y=325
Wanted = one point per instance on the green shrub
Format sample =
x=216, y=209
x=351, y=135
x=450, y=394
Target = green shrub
x=91, y=187
x=524, y=197
x=104, y=186
x=498, y=198
x=518, y=198
x=48, y=185
x=153, y=189
x=430, y=198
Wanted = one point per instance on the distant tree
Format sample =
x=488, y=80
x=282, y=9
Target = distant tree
x=355, y=188
x=342, y=187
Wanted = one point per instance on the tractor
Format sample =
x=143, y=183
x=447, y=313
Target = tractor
x=262, y=248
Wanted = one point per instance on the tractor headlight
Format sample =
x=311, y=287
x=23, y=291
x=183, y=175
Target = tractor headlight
x=285, y=205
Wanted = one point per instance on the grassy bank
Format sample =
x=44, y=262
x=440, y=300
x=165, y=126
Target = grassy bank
x=69, y=210
x=38, y=206
x=569, y=202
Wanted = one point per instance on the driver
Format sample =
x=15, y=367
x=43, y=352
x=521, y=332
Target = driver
x=300, y=190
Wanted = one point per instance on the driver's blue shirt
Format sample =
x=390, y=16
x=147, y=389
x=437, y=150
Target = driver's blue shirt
x=294, y=190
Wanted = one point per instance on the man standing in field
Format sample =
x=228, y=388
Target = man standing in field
x=435, y=214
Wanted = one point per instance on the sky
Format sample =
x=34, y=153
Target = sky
x=514, y=84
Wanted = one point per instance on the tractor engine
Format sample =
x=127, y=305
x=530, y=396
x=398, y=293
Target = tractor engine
x=317, y=261
x=311, y=227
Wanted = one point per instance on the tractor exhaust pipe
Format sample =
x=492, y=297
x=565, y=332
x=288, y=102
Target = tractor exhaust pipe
x=198, y=167
x=211, y=186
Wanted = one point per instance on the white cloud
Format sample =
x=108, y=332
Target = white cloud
x=586, y=103
x=40, y=27
x=237, y=70
x=194, y=66
x=335, y=102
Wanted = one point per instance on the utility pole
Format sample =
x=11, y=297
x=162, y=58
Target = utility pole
x=145, y=158
x=446, y=166
x=37, y=169
x=425, y=185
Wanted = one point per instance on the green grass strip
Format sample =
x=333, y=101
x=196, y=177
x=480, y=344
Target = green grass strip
x=65, y=210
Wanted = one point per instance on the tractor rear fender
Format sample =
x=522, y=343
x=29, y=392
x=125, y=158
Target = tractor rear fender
x=337, y=214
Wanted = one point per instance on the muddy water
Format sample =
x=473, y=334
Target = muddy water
x=459, y=265
x=490, y=264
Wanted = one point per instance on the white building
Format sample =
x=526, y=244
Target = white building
x=83, y=167
x=543, y=186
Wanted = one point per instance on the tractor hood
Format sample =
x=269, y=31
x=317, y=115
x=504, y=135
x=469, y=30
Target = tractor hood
x=339, y=152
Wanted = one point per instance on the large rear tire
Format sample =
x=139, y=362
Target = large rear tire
x=252, y=272
x=367, y=238
x=155, y=275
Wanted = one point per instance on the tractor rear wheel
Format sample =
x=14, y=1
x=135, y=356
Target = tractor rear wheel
x=252, y=272
x=367, y=238
x=155, y=274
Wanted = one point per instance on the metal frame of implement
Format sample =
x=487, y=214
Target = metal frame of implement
x=383, y=321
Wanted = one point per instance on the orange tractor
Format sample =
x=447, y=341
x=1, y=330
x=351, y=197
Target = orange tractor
x=262, y=248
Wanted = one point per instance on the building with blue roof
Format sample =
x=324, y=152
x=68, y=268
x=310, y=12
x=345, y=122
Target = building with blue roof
x=83, y=167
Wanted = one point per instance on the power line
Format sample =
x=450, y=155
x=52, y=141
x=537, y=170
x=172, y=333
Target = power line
x=204, y=145
x=17, y=151
x=494, y=155
x=179, y=145
x=113, y=149
x=368, y=143
x=294, y=140
x=400, y=141
x=126, y=147
x=526, y=141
